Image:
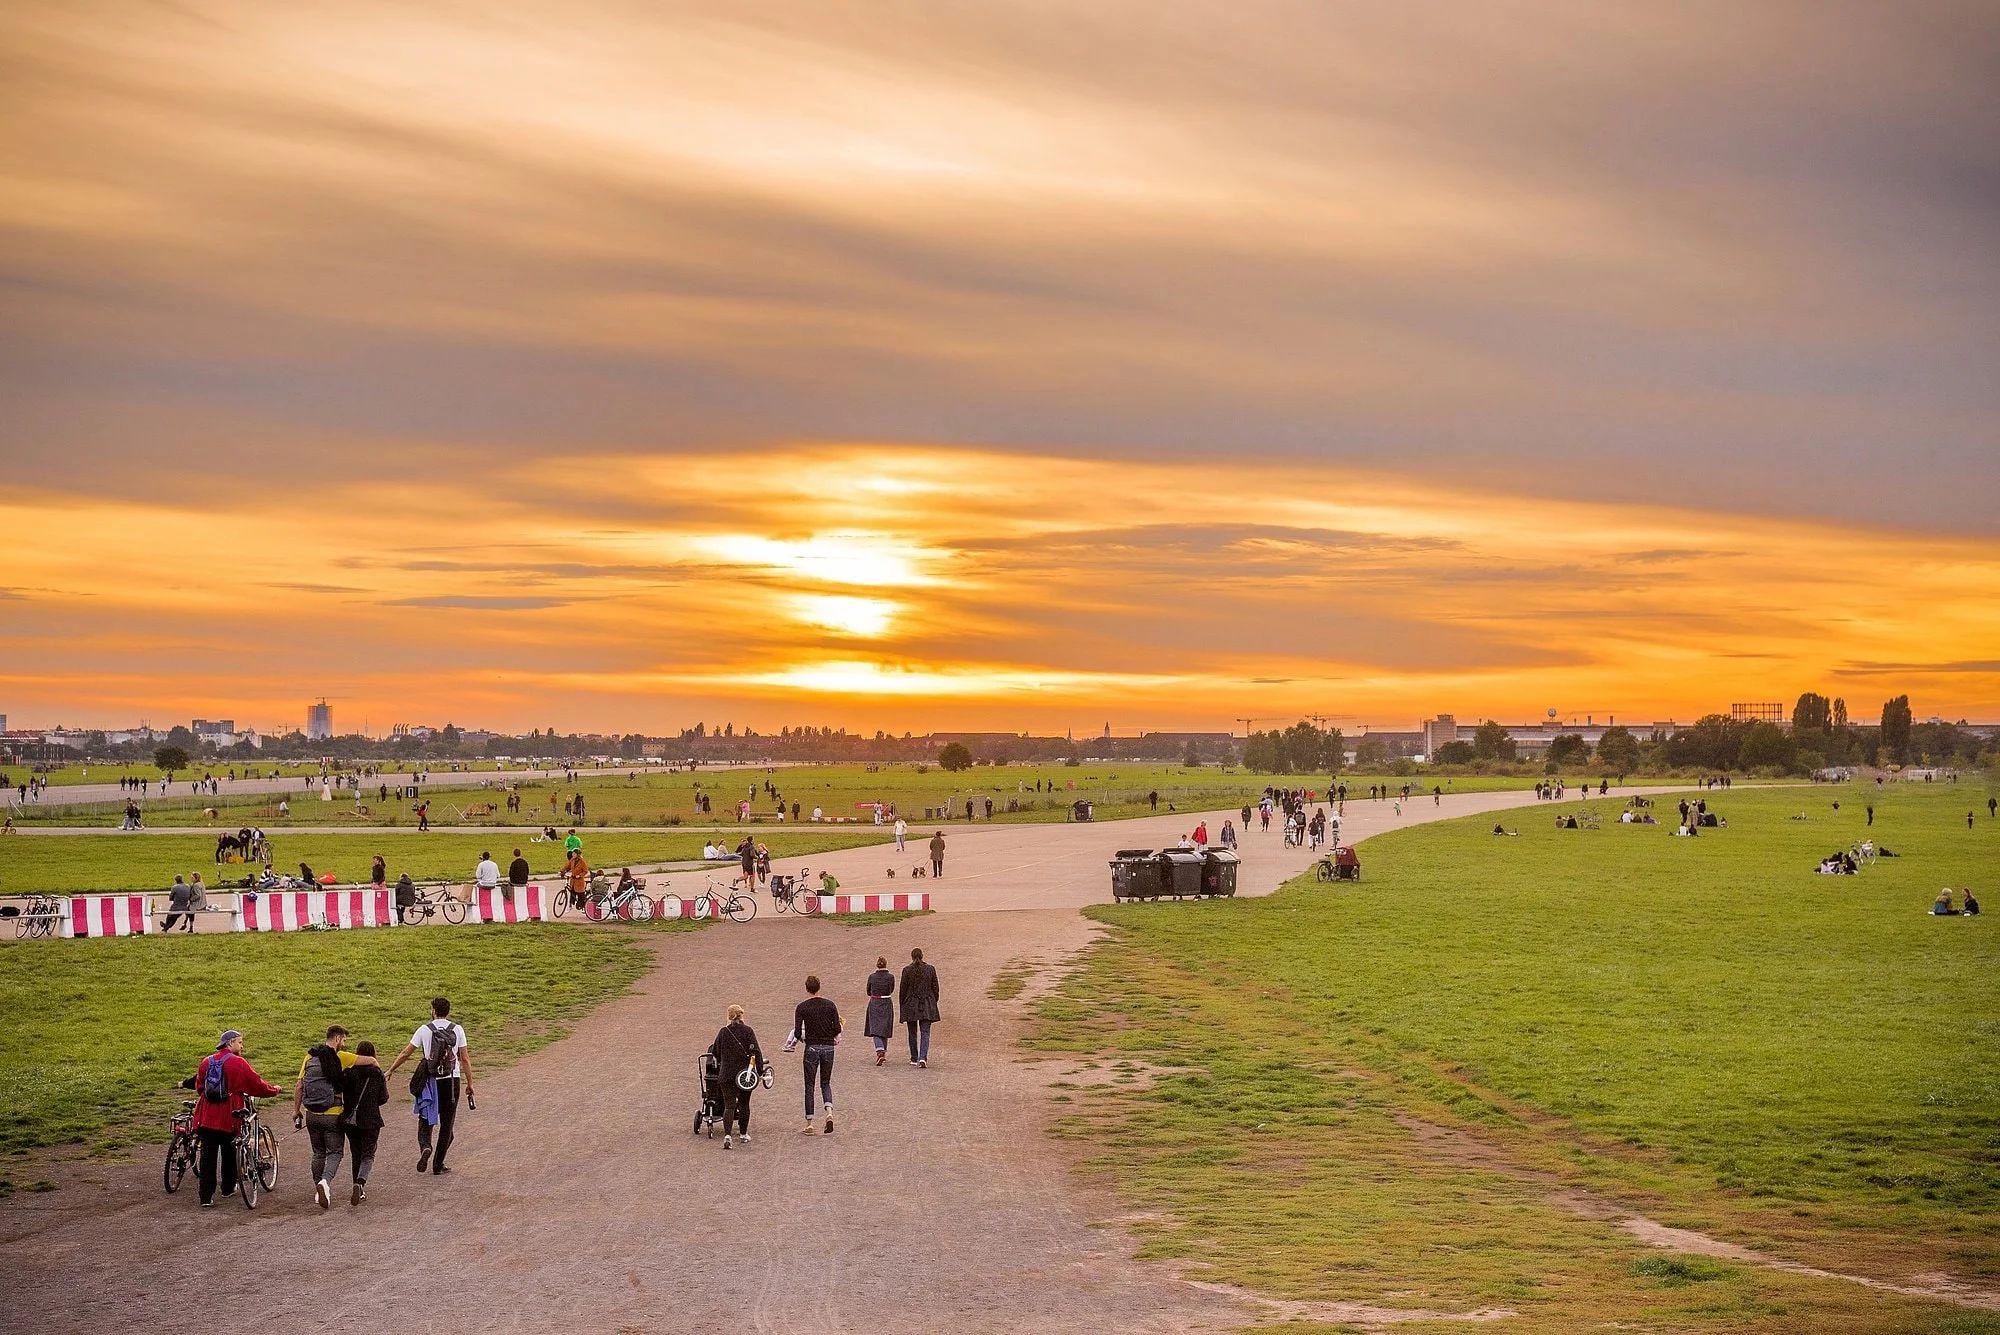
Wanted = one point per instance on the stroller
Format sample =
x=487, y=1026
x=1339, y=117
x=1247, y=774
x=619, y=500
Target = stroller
x=708, y=1075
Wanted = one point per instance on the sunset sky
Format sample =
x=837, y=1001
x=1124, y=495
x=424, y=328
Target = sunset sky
x=625, y=366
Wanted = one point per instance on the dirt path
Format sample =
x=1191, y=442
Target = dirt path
x=580, y=1202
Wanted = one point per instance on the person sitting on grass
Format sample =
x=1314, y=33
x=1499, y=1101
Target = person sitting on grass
x=1971, y=904
x=1942, y=908
x=1503, y=830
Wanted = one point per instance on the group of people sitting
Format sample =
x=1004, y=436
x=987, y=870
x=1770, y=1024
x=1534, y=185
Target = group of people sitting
x=1942, y=906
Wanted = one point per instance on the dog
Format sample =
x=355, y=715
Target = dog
x=916, y=873
x=892, y=873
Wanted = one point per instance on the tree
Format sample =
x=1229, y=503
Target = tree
x=1896, y=729
x=1839, y=711
x=954, y=757
x=451, y=735
x=1618, y=749
x=1371, y=751
x=1767, y=744
x=1569, y=749
x=1192, y=757
x=1813, y=713
x=169, y=759
x=1454, y=753
x=1490, y=741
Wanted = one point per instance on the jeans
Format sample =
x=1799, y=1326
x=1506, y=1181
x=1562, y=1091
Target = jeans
x=819, y=1057
x=361, y=1150
x=920, y=1039
x=447, y=1115
x=328, y=1145
x=216, y=1144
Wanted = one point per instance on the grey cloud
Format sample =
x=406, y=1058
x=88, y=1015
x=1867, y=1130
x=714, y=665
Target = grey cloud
x=481, y=602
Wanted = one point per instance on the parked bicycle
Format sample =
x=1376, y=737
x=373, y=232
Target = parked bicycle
x=731, y=903
x=433, y=899
x=256, y=1155
x=39, y=918
x=789, y=892
x=183, y=1150
x=629, y=903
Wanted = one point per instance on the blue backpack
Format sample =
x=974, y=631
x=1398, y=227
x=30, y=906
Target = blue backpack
x=215, y=1078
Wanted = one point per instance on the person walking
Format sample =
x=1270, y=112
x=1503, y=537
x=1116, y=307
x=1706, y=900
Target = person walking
x=364, y=1090
x=223, y=1080
x=746, y=859
x=937, y=855
x=318, y=1100
x=902, y=829
x=443, y=1064
x=918, y=993
x=736, y=1051
x=816, y=1024
x=880, y=1022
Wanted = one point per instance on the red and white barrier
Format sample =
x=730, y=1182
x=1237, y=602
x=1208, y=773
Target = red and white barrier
x=506, y=904
x=291, y=910
x=825, y=904
x=106, y=915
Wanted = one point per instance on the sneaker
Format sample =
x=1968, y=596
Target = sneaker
x=881, y=1057
x=728, y=1144
x=208, y=1205
x=439, y=1171
x=745, y=1137
x=807, y=1129
x=913, y=1061
x=424, y=1159
x=321, y=1195
x=829, y=1124
x=923, y=1061
x=228, y=1193
x=358, y=1195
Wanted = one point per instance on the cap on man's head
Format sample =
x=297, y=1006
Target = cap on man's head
x=228, y=1036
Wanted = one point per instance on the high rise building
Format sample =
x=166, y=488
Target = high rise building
x=1438, y=732
x=319, y=722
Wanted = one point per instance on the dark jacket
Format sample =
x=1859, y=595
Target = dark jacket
x=366, y=1090
x=517, y=872
x=881, y=1021
x=918, y=992
x=816, y=1022
x=736, y=1048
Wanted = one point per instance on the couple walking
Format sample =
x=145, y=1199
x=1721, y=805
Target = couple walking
x=917, y=992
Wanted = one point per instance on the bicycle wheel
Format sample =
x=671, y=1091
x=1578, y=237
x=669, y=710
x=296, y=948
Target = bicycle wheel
x=593, y=909
x=704, y=907
x=742, y=908
x=453, y=908
x=177, y=1164
x=415, y=913
x=247, y=1181
x=267, y=1158
x=639, y=909
x=561, y=905
x=668, y=906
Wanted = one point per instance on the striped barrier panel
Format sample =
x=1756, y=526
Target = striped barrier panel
x=506, y=905
x=293, y=910
x=824, y=904
x=105, y=915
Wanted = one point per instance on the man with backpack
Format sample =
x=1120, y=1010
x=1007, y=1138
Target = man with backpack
x=222, y=1081
x=319, y=1103
x=442, y=1062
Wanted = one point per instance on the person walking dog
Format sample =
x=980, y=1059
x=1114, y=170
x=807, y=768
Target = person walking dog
x=937, y=855
x=443, y=1064
x=816, y=1023
x=880, y=1022
x=918, y=993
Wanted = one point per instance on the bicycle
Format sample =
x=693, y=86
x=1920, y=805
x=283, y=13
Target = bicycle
x=630, y=903
x=789, y=892
x=183, y=1151
x=737, y=907
x=431, y=900
x=256, y=1155
x=39, y=918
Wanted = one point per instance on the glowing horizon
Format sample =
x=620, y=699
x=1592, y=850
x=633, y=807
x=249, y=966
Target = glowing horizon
x=618, y=370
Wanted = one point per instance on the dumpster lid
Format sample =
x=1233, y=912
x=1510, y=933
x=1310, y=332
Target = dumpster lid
x=1180, y=855
x=1133, y=853
x=1221, y=855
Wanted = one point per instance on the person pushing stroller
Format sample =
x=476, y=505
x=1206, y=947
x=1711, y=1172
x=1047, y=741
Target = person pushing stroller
x=739, y=1064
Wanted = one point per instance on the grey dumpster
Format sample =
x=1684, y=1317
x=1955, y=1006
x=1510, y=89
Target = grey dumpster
x=1081, y=810
x=1180, y=870
x=1135, y=874
x=1218, y=872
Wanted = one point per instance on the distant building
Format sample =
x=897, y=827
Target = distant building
x=1758, y=713
x=3, y=723
x=399, y=730
x=319, y=722
x=1438, y=732
x=211, y=730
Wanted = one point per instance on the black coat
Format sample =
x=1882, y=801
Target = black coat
x=881, y=1021
x=364, y=1089
x=918, y=993
x=736, y=1048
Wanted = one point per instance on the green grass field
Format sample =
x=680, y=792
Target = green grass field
x=94, y=1035
x=1380, y=1092
x=77, y=863
x=643, y=798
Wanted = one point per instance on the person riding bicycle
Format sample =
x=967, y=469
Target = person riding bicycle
x=221, y=1083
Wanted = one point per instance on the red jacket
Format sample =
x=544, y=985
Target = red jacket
x=242, y=1079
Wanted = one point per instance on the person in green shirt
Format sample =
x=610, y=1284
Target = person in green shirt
x=572, y=844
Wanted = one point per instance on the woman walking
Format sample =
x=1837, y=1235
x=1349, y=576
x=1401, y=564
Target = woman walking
x=736, y=1052
x=919, y=992
x=881, y=1021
